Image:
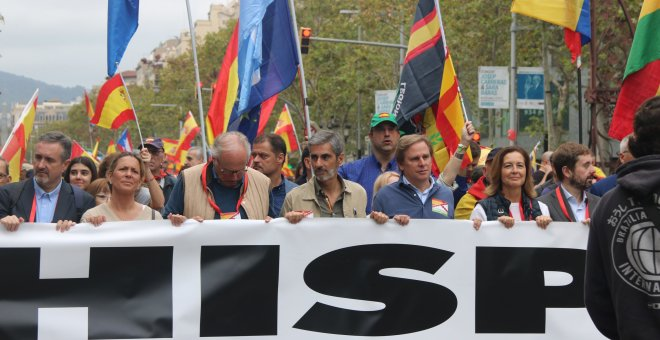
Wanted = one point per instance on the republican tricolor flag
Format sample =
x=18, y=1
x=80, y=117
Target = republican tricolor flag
x=16, y=145
x=113, y=106
x=286, y=130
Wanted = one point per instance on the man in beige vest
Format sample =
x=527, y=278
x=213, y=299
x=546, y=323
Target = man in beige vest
x=326, y=194
x=224, y=188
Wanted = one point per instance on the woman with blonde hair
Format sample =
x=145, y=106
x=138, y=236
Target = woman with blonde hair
x=125, y=175
x=386, y=178
x=511, y=194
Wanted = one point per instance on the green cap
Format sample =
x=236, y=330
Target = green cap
x=383, y=117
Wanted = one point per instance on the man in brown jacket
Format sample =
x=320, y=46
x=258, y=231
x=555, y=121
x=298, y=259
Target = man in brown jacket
x=223, y=188
x=326, y=194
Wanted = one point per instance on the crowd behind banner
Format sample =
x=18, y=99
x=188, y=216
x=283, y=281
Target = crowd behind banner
x=398, y=181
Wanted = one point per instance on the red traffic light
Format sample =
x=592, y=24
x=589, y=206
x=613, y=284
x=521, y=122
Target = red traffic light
x=305, y=35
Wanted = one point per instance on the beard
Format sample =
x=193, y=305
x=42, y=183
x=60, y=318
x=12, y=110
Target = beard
x=329, y=174
x=582, y=185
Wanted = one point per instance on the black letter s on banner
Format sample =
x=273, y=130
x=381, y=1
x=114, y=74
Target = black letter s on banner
x=353, y=273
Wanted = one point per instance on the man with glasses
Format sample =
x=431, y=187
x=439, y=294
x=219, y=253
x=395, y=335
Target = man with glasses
x=222, y=189
x=4, y=172
x=165, y=180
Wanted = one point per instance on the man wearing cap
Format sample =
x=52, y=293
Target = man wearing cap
x=476, y=192
x=165, y=180
x=384, y=136
x=224, y=188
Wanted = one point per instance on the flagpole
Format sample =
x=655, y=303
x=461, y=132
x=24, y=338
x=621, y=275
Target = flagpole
x=132, y=108
x=444, y=44
x=26, y=109
x=579, y=85
x=198, y=86
x=301, y=69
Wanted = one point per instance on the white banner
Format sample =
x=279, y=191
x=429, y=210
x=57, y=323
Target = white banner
x=493, y=87
x=319, y=279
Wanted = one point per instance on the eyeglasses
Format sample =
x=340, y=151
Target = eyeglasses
x=3, y=175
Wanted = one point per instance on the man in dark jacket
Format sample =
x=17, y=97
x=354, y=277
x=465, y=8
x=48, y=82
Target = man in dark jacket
x=622, y=282
x=570, y=201
x=46, y=197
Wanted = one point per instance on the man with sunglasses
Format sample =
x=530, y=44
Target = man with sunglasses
x=224, y=188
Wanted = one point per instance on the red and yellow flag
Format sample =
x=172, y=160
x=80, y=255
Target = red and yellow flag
x=95, y=152
x=188, y=133
x=16, y=145
x=112, y=148
x=170, y=145
x=449, y=118
x=286, y=130
x=113, y=107
x=226, y=91
x=78, y=151
x=89, y=107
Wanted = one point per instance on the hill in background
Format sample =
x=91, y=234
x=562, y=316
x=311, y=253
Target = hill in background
x=18, y=89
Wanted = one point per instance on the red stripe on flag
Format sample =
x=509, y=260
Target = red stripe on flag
x=423, y=47
x=637, y=88
x=424, y=21
x=112, y=83
x=217, y=114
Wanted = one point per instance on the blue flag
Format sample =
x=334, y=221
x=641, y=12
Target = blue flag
x=267, y=56
x=122, y=24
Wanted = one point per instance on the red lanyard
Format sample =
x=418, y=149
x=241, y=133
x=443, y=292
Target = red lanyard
x=520, y=206
x=209, y=196
x=33, y=212
x=562, y=205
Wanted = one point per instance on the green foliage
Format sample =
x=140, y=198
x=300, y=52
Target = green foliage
x=477, y=34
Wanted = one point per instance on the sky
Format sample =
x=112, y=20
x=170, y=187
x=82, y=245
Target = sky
x=64, y=42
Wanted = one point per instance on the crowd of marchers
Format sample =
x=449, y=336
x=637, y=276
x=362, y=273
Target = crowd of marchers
x=245, y=181
x=395, y=182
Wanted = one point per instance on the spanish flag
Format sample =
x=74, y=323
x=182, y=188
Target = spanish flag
x=286, y=130
x=225, y=92
x=188, y=133
x=113, y=107
x=95, y=152
x=641, y=79
x=112, y=148
x=16, y=145
x=89, y=107
x=78, y=151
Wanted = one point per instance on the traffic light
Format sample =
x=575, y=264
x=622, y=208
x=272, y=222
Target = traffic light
x=305, y=36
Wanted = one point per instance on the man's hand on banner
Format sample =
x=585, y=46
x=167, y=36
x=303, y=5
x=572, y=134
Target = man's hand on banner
x=11, y=222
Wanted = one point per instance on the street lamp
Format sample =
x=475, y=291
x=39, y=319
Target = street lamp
x=359, y=98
